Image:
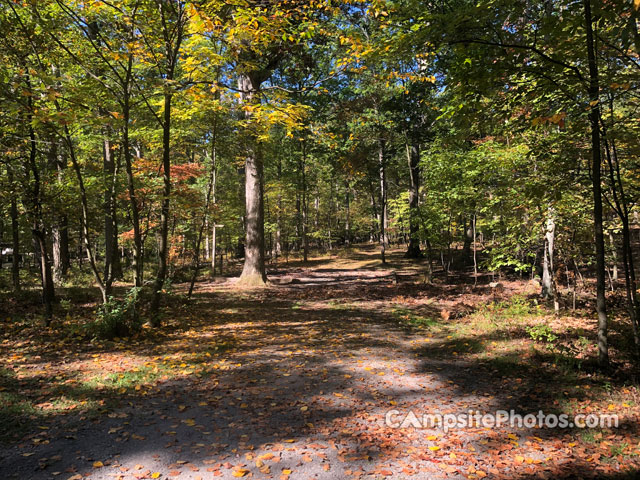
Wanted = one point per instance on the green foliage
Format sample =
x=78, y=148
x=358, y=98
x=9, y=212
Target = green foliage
x=542, y=333
x=412, y=319
x=117, y=318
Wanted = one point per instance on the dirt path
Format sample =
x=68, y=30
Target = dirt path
x=295, y=381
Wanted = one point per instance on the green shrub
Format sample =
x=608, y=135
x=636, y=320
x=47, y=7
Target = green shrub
x=542, y=333
x=118, y=318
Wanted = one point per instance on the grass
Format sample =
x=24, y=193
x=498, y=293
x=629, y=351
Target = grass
x=409, y=318
x=15, y=415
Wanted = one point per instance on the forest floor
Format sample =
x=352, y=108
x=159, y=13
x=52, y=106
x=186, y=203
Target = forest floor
x=295, y=381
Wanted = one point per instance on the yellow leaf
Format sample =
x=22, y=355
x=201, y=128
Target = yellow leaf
x=240, y=473
x=432, y=437
x=155, y=475
x=286, y=472
x=98, y=464
x=304, y=409
x=434, y=448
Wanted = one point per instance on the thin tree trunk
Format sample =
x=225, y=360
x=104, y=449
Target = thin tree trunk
x=614, y=259
x=384, y=242
x=85, y=217
x=173, y=40
x=38, y=228
x=111, y=256
x=621, y=207
x=475, y=251
x=413, y=159
x=59, y=230
x=211, y=197
x=347, y=220
x=15, y=236
x=212, y=189
x=137, y=262
x=277, y=247
x=163, y=247
x=305, y=239
x=594, y=116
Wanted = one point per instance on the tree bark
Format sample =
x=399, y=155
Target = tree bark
x=38, y=228
x=621, y=207
x=548, y=284
x=210, y=198
x=384, y=241
x=15, y=236
x=85, y=217
x=594, y=116
x=413, y=158
x=303, y=176
x=137, y=263
x=59, y=229
x=172, y=42
x=163, y=248
x=277, y=246
x=347, y=219
x=111, y=255
x=253, y=272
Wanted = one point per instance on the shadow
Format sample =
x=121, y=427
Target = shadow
x=305, y=371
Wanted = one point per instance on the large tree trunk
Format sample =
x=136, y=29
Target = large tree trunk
x=253, y=272
x=413, y=157
x=594, y=116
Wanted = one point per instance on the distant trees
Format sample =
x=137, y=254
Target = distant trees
x=505, y=130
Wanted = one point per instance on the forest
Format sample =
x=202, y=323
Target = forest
x=275, y=225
